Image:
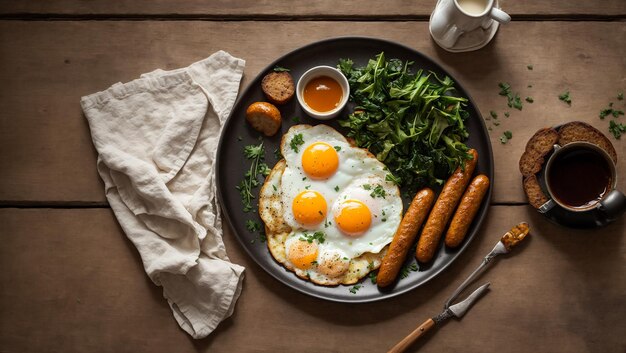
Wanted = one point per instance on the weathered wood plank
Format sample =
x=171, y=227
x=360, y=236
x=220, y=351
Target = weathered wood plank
x=45, y=148
x=314, y=8
x=72, y=282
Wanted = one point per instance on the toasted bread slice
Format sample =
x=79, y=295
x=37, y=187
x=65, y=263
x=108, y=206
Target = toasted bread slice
x=278, y=87
x=539, y=145
x=580, y=131
x=533, y=191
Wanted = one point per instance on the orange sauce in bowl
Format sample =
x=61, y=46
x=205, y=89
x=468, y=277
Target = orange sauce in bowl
x=322, y=94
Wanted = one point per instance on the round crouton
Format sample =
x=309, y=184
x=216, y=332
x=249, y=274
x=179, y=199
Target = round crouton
x=278, y=87
x=264, y=117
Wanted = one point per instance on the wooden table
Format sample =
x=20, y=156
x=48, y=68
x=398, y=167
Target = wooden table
x=70, y=281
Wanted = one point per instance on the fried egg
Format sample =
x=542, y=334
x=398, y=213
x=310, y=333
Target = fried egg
x=329, y=211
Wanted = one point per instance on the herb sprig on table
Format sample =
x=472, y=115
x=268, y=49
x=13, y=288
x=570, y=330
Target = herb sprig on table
x=410, y=121
x=256, y=153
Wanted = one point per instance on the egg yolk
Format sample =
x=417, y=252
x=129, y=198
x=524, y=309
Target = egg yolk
x=354, y=217
x=309, y=208
x=302, y=254
x=320, y=160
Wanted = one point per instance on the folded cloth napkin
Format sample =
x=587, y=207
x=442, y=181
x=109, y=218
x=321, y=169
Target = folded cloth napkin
x=156, y=139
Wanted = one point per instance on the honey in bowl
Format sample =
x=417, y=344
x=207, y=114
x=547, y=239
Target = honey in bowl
x=322, y=94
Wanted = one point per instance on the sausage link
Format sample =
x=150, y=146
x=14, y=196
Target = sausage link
x=442, y=211
x=470, y=202
x=404, y=237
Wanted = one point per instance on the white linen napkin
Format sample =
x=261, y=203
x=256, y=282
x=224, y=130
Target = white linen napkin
x=157, y=139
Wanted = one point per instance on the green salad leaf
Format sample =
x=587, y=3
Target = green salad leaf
x=412, y=122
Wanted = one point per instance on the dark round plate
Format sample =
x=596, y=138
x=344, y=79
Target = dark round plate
x=231, y=164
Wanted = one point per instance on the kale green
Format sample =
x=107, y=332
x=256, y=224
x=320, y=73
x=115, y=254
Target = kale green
x=412, y=122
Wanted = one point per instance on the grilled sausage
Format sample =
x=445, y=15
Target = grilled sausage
x=404, y=237
x=470, y=202
x=442, y=211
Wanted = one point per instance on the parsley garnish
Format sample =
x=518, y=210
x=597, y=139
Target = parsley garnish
x=617, y=129
x=378, y=191
x=256, y=153
x=296, y=141
x=319, y=236
x=373, y=277
x=280, y=69
x=337, y=188
x=610, y=111
x=506, y=136
x=404, y=272
x=337, y=148
x=355, y=288
x=390, y=177
x=367, y=187
x=513, y=100
x=565, y=98
x=252, y=226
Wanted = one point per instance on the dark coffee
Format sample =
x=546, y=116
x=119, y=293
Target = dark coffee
x=579, y=177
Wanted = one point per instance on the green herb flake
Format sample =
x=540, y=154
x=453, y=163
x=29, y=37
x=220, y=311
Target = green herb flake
x=493, y=114
x=296, y=120
x=530, y=99
x=337, y=188
x=565, y=97
x=406, y=269
x=507, y=114
x=367, y=187
x=379, y=191
x=355, y=288
x=617, y=129
x=274, y=186
x=506, y=136
x=390, y=177
x=281, y=69
x=373, y=277
x=610, y=111
x=296, y=142
x=252, y=226
x=529, y=67
x=318, y=236
x=337, y=148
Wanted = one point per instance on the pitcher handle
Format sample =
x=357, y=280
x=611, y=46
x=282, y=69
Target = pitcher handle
x=613, y=205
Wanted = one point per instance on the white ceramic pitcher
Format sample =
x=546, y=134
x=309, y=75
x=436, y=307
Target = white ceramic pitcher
x=452, y=18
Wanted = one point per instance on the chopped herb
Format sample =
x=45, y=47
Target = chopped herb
x=617, y=129
x=304, y=178
x=256, y=153
x=610, y=111
x=404, y=271
x=493, y=114
x=274, y=186
x=507, y=114
x=319, y=236
x=384, y=219
x=565, y=97
x=367, y=187
x=390, y=177
x=264, y=169
x=530, y=99
x=355, y=288
x=296, y=142
x=373, y=277
x=314, y=262
x=513, y=100
x=337, y=148
x=307, y=187
x=295, y=119
x=496, y=123
x=252, y=226
x=277, y=154
x=620, y=96
x=280, y=69
x=378, y=192
x=337, y=188
x=506, y=136
x=529, y=67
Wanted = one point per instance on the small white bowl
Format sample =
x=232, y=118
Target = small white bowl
x=318, y=71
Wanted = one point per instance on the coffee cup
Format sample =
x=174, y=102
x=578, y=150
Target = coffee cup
x=452, y=18
x=582, y=177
